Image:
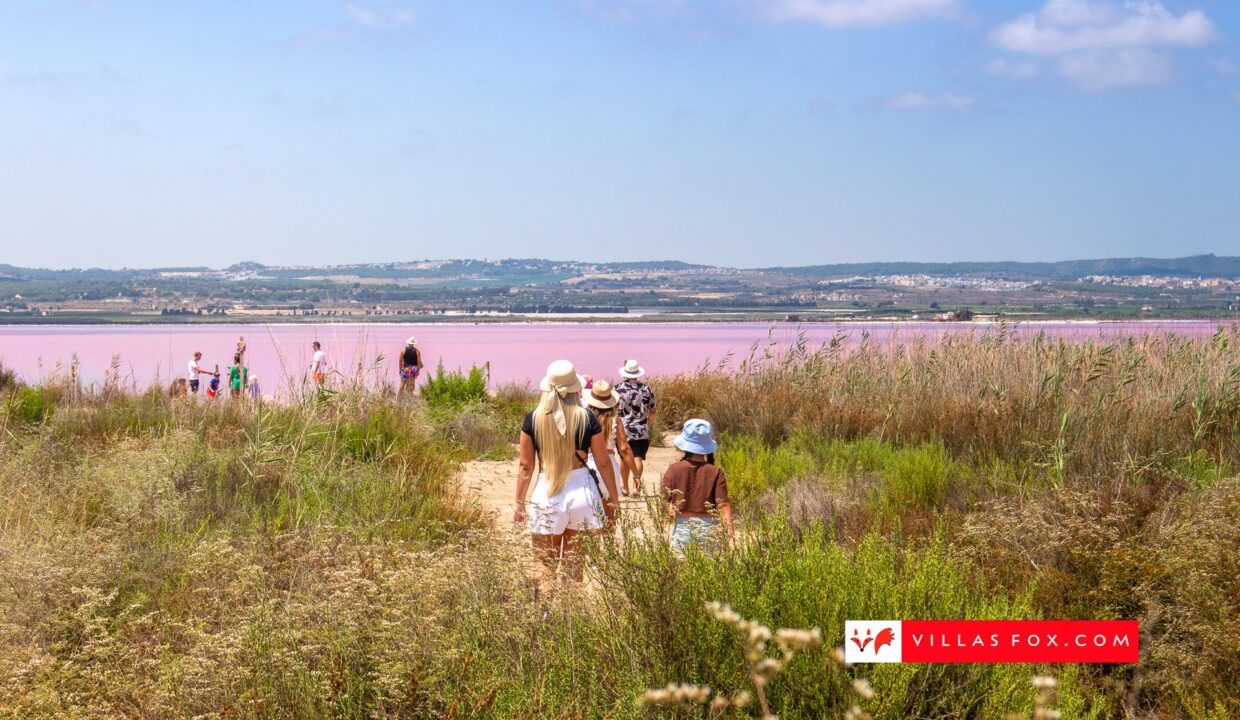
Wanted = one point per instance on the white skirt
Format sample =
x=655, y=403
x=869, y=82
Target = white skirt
x=578, y=506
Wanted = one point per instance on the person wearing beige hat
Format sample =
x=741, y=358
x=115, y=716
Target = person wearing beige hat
x=602, y=399
x=410, y=366
x=557, y=439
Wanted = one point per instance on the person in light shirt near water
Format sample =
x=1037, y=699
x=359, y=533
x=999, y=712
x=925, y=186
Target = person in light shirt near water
x=318, y=364
x=195, y=371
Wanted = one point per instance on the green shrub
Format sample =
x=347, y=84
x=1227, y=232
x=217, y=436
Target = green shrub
x=898, y=479
x=32, y=404
x=452, y=389
x=753, y=467
x=481, y=430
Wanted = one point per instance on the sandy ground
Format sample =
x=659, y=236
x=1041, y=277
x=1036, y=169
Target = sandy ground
x=494, y=483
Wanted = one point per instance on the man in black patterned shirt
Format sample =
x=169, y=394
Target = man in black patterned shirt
x=636, y=410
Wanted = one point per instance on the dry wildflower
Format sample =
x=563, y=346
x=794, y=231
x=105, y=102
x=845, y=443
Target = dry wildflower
x=762, y=668
x=795, y=640
x=863, y=688
x=674, y=694
x=1044, y=699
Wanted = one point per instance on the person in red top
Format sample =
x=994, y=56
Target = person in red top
x=698, y=491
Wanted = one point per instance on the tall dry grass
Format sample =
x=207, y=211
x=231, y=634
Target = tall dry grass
x=166, y=558
x=1062, y=409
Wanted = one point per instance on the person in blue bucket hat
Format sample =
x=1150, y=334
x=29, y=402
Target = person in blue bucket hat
x=698, y=492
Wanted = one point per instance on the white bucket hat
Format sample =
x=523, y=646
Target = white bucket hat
x=632, y=370
x=411, y=341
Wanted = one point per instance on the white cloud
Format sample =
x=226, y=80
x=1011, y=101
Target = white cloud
x=361, y=15
x=1063, y=26
x=1225, y=67
x=630, y=10
x=1101, y=44
x=1020, y=69
x=1121, y=68
x=918, y=101
x=372, y=18
x=845, y=13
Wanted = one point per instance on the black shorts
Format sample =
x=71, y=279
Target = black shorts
x=193, y=386
x=640, y=447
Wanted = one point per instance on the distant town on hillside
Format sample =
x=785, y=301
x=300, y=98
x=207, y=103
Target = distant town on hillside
x=530, y=289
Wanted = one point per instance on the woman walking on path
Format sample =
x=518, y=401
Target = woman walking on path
x=602, y=400
x=410, y=366
x=697, y=491
x=636, y=410
x=557, y=437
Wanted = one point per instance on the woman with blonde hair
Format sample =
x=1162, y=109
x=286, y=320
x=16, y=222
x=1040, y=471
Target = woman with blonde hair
x=602, y=399
x=558, y=437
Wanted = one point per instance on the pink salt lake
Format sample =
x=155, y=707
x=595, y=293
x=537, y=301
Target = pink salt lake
x=517, y=352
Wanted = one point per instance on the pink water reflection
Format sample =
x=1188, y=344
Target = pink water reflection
x=280, y=354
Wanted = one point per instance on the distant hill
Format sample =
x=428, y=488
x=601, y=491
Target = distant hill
x=517, y=271
x=1195, y=266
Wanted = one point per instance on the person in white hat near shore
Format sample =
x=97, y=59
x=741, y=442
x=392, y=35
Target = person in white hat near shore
x=558, y=437
x=410, y=366
x=637, y=405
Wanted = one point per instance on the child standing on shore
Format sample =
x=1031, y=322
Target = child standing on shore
x=213, y=387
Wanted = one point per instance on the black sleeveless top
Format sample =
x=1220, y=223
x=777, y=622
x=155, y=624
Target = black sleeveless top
x=583, y=441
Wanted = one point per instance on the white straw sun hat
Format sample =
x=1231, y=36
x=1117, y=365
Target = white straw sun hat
x=411, y=341
x=632, y=370
x=561, y=377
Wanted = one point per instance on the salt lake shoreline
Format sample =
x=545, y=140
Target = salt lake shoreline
x=653, y=319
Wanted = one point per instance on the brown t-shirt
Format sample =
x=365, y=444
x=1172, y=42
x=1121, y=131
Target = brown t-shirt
x=695, y=488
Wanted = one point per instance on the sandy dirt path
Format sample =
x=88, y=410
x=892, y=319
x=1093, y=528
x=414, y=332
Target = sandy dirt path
x=494, y=483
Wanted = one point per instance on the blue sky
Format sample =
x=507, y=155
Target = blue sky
x=738, y=132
